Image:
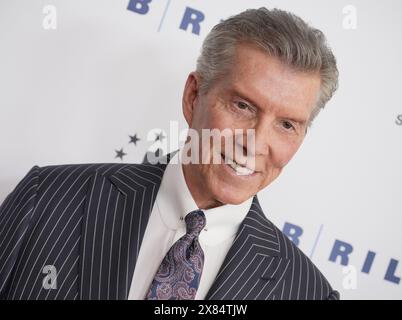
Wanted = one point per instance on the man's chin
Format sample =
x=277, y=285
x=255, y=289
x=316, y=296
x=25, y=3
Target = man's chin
x=232, y=196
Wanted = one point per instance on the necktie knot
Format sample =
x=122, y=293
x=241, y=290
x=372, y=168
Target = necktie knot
x=195, y=222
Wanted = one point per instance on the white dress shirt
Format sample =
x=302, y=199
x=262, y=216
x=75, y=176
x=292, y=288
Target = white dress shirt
x=166, y=225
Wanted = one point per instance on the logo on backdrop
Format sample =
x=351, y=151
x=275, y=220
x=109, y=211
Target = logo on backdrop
x=193, y=18
x=341, y=252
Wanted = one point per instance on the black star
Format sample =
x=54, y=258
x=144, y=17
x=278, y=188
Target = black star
x=134, y=139
x=120, y=154
x=160, y=137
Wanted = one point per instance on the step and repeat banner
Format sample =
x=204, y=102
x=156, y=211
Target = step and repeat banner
x=85, y=81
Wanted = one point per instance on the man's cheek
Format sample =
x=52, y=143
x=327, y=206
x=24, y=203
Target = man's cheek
x=282, y=161
x=282, y=153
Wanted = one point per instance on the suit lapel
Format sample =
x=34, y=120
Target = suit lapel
x=254, y=265
x=113, y=227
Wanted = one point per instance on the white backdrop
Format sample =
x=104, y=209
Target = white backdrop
x=77, y=77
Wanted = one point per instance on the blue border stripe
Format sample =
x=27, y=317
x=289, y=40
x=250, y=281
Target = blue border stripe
x=163, y=16
x=316, y=241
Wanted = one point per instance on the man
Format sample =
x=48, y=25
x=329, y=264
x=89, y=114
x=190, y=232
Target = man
x=176, y=230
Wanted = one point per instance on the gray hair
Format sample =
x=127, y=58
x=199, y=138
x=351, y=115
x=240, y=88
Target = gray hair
x=280, y=34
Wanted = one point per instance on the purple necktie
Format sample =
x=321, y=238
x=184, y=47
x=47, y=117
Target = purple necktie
x=179, y=274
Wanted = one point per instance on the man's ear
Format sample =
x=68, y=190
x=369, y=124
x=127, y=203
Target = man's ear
x=190, y=96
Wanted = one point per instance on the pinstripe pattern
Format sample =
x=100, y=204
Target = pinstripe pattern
x=88, y=221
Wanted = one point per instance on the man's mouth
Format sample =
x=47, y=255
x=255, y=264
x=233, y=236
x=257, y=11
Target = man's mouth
x=240, y=169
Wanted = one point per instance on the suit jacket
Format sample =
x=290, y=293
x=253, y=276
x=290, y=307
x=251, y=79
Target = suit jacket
x=84, y=223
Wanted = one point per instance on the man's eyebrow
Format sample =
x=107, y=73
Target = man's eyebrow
x=244, y=96
x=301, y=122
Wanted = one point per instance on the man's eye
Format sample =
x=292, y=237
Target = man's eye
x=288, y=125
x=242, y=105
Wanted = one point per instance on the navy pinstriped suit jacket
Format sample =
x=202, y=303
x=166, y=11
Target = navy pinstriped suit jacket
x=88, y=221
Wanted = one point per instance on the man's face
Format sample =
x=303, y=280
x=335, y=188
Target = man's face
x=259, y=93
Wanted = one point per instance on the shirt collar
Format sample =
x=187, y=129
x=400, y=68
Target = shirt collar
x=175, y=201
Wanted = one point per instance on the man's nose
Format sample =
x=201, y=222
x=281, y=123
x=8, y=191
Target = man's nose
x=258, y=140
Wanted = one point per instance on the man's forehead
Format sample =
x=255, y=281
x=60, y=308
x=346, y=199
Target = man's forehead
x=270, y=82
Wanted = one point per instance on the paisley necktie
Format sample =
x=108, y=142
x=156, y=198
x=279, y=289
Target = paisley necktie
x=179, y=274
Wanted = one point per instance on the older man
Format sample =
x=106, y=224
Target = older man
x=184, y=230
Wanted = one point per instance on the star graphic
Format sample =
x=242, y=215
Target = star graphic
x=120, y=154
x=134, y=139
x=160, y=137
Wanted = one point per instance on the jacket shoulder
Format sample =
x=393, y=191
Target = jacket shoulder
x=87, y=169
